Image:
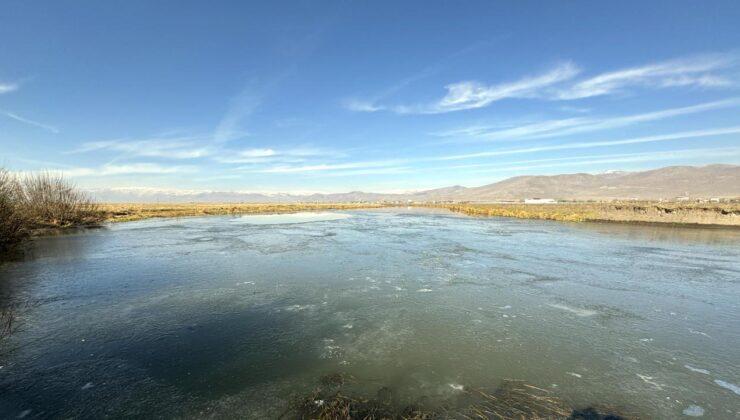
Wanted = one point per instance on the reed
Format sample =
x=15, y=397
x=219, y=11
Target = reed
x=721, y=214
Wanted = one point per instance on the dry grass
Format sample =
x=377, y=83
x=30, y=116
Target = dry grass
x=130, y=212
x=724, y=214
x=40, y=200
x=13, y=221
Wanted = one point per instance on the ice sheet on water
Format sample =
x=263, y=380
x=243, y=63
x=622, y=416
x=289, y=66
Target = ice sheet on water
x=457, y=387
x=732, y=387
x=693, y=411
x=290, y=218
x=697, y=370
x=577, y=311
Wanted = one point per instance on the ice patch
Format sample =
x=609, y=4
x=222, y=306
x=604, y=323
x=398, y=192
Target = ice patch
x=290, y=218
x=298, y=308
x=577, y=311
x=693, y=369
x=693, y=411
x=425, y=290
x=726, y=385
x=649, y=380
x=692, y=331
x=457, y=387
x=577, y=375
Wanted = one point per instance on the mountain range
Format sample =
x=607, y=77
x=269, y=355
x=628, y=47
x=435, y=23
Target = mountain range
x=665, y=183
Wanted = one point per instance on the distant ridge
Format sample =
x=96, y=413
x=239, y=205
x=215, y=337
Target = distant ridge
x=722, y=181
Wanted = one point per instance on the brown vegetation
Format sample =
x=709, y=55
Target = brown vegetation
x=724, y=214
x=514, y=399
x=38, y=201
x=129, y=212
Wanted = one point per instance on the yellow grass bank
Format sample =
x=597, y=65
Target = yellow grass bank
x=129, y=212
x=721, y=214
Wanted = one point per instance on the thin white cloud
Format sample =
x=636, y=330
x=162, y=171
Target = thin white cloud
x=23, y=120
x=273, y=155
x=559, y=83
x=230, y=126
x=569, y=126
x=690, y=71
x=362, y=172
x=371, y=105
x=8, y=87
x=257, y=153
x=470, y=94
x=171, y=148
x=127, y=169
x=325, y=167
x=362, y=106
x=725, y=153
x=588, y=145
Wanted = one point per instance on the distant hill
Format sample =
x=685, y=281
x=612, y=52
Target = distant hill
x=670, y=182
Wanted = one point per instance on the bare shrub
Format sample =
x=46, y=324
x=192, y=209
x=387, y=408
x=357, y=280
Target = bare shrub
x=52, y=200
x=13, y=221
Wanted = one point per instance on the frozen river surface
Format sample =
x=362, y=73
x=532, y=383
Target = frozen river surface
x=236, y=317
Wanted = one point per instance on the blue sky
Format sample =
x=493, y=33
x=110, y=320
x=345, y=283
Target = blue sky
x=378, y=95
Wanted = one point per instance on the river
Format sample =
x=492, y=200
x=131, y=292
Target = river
x=238, y=316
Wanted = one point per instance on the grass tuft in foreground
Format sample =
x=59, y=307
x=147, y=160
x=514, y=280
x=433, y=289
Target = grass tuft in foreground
x=513, y=400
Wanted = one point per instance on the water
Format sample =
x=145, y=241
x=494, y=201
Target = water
x=235, y=317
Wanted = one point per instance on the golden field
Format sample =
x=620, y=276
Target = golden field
x=129, y=212
x=724, y=214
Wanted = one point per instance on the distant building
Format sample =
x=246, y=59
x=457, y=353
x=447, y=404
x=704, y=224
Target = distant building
x=536, y=200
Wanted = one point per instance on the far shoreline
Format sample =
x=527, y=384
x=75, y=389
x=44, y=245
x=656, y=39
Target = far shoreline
x=716, y=215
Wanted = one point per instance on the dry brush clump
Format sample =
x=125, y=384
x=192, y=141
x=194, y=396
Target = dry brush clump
x=13, y=220
x=41, y=200
x=52, y=200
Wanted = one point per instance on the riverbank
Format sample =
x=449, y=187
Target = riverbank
x=704, y=214
x=130, y=212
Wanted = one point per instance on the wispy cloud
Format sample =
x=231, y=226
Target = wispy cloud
x=569, y=126
x=23, y=120
x=727, y=152
x=690, y=71
x=326, y=167
x=128, y=169
x=241, y=107
x=273, y=155
x=371, y=104
x=588, y=145
x=471, y=94
x=8, y=87
x=560, y=83
x=170, y=148
x=362, y=106
x=593, y=159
